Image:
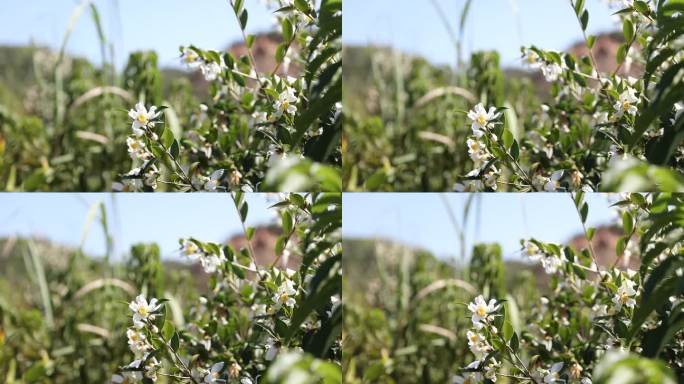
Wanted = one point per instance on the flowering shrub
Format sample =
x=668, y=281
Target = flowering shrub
x=597, y=130
x=259, y=131
x=257, y=323
x=593, y=323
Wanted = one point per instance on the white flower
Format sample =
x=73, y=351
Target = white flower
x=127, y=377
x=551, y=264
x=553, y=374
x=136, y=148
x=211, y=70
x=213, y=182
x=285, y=102
x=285, y=293
x=467, y=378
x=136, y=341
x=552, y=183
x=679, y=110
x=191, y=58
x=481, y=118
x=625, y=294
x=532, y=59
x=271, y=350
x=211, y=263
x=214, y=374
x=476, y=150
x=532, y=251
x=190, y=250
x=142, y=310
x=482, y=311
x=490, y=370
x=585, y=380
x=142, y=118
x=627, y=103
x=259, y=118
x=468, y=186
x=551, y=71
x=491, y=179
x=599, y=310
x=477, y=343
x=600, y=118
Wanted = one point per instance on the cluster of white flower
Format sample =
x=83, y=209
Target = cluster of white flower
x=483, y=314
x=285, y=294
x=481, y=123
x=627, y=103
x=625, y=295
x=144, y=314
x=143, y=121
x=211, y=183
x=286, y=103
x=551, y=71
x=210, y=69
x=211, y=263
x=551, y=263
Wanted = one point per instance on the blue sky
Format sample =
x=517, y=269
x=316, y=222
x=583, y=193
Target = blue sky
x=132, y=218
x=414, y=26
x=160, y=25
x=420, y=219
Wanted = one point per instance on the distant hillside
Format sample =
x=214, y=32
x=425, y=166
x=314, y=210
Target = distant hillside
x=365, y=66
x=361, y=259
x=14, y=257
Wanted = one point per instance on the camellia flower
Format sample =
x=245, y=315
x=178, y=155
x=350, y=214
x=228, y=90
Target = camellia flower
x=136, y=148
x=213, y=182
x=552, y=183
x=190, y=249
x=476, y=150
x=211, y=70
x=481, y=118
x=214, y=374
x=285, y=102
x=211, y=263
x=142, y=118
x=532, y=59
x=553, y=374
x=191, y=58
x=532, y=250
x=471, y=185
x=627, y=103
x=467, y=378
x=551, y=71
x=477, y=343
x=625, y=294
x=285, y=294
x=482, y=311
x=127, y=377
x=136, y=341
x=551, y=264
x=490, y=370
x=142, y=310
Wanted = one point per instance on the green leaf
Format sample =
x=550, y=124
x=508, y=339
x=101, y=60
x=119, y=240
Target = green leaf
x=584, y=211
x=243, y=19
x=167, y=138
x=591, y=40
x=250, y=233
x=628, y=30
x=287, y=29
x=585, y=20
